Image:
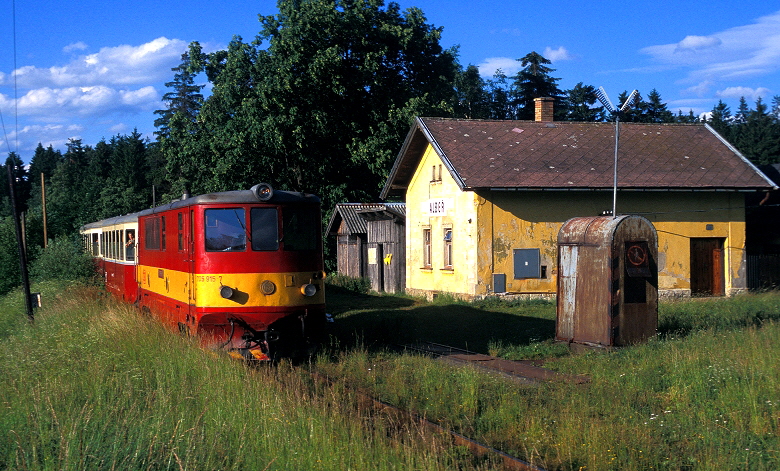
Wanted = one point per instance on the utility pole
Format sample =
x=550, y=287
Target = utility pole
x=20, y=244
x=43, y=204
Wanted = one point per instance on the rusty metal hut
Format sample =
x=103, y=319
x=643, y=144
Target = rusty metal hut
x=607, y=281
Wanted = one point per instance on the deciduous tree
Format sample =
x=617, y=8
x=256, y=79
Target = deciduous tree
x=320, y=101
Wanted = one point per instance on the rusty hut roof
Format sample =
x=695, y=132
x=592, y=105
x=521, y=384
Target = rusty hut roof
x=481, y=154
x=351, y=213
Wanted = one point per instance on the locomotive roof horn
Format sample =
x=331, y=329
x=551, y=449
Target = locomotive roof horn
x=263, y=191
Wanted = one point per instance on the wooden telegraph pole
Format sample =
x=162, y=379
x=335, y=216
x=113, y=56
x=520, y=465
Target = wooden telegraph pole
x=43, y=204
x=20, y=244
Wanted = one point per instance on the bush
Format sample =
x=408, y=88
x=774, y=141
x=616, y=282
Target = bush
x=356, y=284
x=62, y=259
x=10, y=273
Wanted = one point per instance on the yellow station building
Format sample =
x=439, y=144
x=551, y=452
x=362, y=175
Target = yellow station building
x=485, y=201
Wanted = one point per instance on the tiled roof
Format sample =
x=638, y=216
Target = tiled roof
x=576, y=155
x=350, y=213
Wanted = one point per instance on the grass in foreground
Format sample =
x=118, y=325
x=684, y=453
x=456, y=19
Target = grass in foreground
x=92, y=385
x=703, y=395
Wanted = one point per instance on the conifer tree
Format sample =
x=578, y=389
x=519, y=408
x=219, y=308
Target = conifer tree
x=534, y=81
x=579, y=104
x=185, y=97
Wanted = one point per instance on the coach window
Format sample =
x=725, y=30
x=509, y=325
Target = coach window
x=299, y=228
x=225, y=230
x=265, y=228
x=113, y=245
x=130, y=245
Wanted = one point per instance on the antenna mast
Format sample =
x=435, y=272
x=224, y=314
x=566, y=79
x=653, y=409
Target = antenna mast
x=616, y=112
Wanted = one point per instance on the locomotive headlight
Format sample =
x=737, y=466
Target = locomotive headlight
x=226, y=292
x=263, y=191
x=308, y=289
x=267, y=287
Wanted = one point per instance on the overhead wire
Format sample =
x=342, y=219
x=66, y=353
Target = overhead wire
x=16, y=100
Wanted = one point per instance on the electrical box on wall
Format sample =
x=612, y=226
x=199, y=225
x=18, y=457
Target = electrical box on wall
x=607, y=281
x=499, y=283
x=527, y=263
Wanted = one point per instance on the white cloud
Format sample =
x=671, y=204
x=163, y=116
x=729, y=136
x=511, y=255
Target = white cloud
x=55, y=135
x=78, y=46
x=141, y=97
x=697, y=43
x=700, y=90
x=118, y=128
x=555, y=55
x=507, y=65
x=750, y=94
x=59, y=104
x=111, y=66
x=745, y=51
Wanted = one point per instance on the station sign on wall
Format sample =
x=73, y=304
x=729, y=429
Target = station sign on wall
x=437, y=206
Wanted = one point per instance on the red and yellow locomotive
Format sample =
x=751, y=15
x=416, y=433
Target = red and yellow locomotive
x=241, y=269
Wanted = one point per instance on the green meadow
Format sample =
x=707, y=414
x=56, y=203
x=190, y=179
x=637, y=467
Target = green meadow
x=93, y=385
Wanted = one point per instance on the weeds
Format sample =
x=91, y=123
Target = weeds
x=354, y=284
x=702, y=395
x=93, y=385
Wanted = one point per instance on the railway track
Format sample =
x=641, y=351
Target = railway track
x=522, y=371
x=525, y=372
x=397, y=415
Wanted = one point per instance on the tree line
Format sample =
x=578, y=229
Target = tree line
x=319, y=101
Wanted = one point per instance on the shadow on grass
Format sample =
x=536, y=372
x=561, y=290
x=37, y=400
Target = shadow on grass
x=378, y=322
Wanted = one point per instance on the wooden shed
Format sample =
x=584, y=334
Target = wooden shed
x=371, y=243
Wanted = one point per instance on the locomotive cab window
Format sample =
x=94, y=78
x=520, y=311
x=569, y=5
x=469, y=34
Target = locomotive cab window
x=152, y=234
x=300, y=228
x=265, y=229
x=225, y=230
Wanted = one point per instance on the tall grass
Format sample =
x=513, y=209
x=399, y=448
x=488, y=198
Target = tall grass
x=92, y=385
x=704, y=395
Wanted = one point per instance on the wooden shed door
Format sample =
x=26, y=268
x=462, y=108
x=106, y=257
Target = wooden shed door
x=707, y=267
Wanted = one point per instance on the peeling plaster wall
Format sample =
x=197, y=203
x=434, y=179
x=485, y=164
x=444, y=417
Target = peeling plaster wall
x=459, y=214
x=488, y=225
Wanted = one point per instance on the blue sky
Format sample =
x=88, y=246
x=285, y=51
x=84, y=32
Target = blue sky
x=92, y=70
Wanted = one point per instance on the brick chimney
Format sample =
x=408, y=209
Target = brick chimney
x=543, y=109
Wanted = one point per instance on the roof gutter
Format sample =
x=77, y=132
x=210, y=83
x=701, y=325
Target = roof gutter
x=656, y=190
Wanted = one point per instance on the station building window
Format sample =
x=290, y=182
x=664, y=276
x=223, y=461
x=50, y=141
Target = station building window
x=427, y=248
x=448, y=248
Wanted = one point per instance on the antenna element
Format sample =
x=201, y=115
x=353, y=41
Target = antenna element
x=604, y=99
